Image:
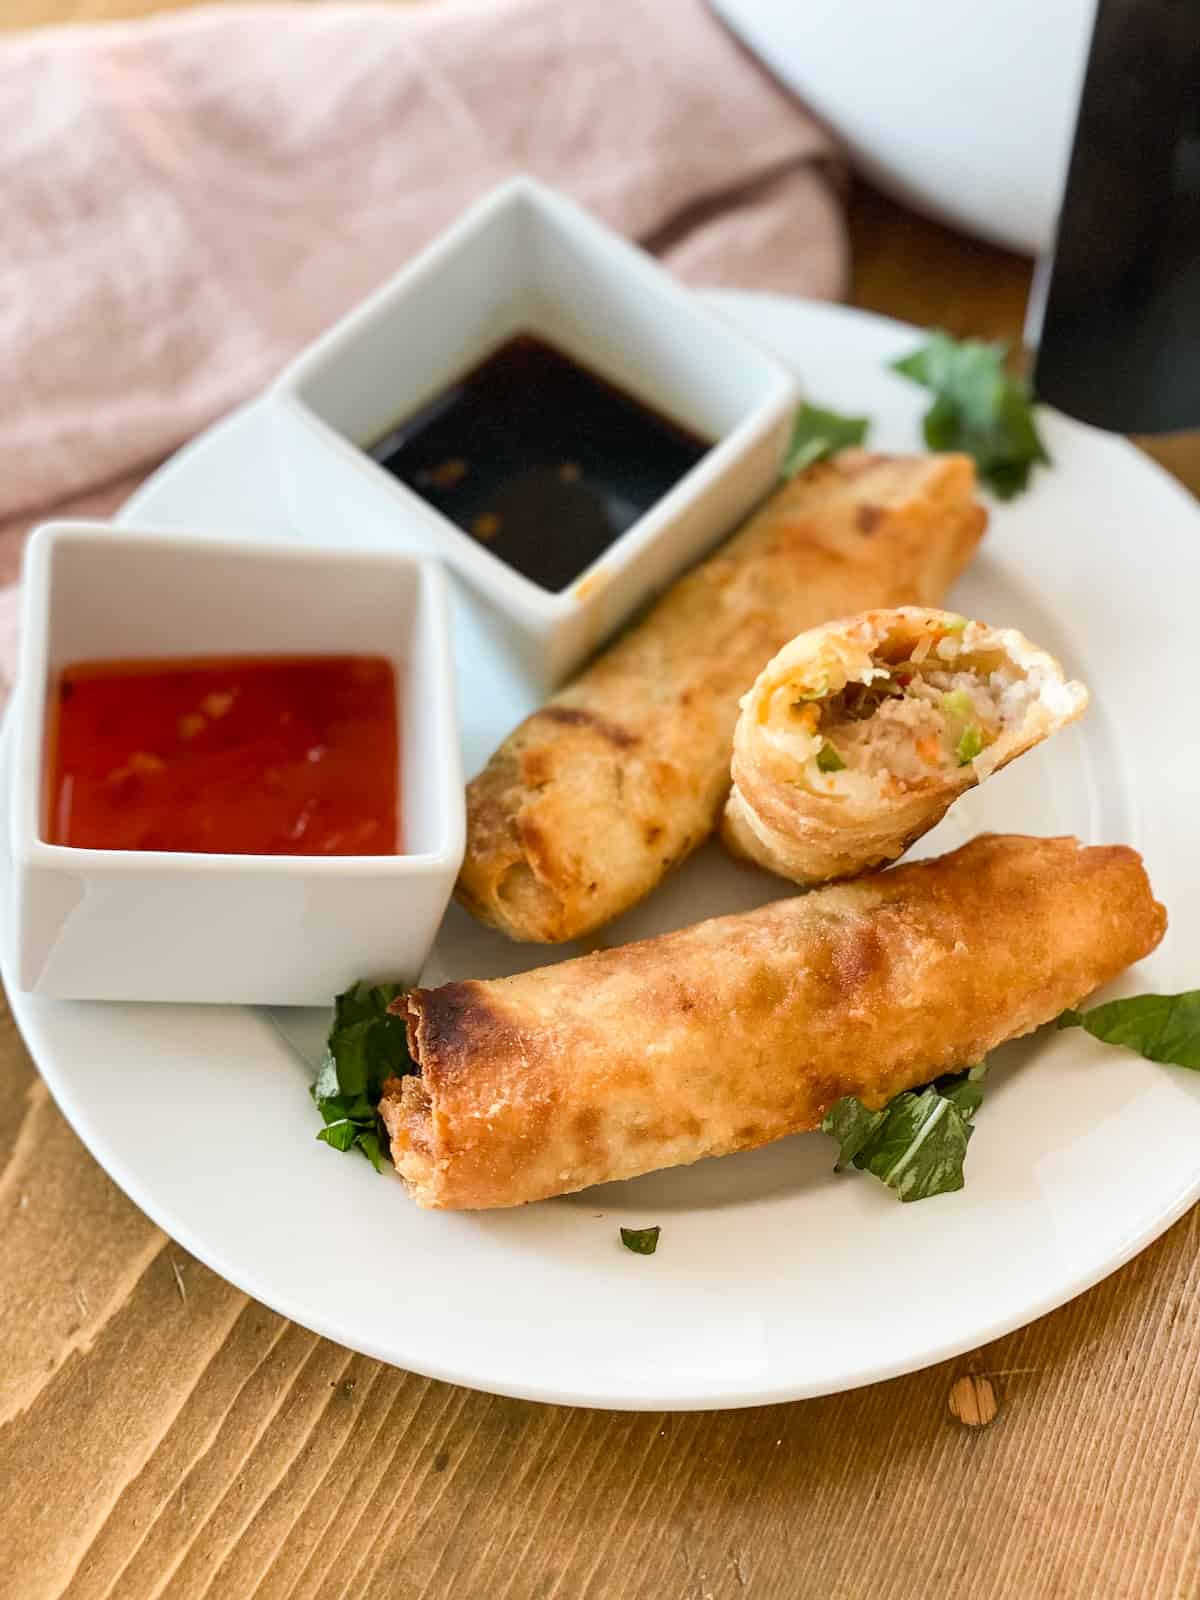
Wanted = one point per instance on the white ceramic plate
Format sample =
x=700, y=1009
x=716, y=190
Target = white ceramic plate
x=774, y=1278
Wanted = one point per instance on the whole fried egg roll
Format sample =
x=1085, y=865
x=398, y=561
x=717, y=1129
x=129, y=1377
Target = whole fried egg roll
x=739, y=1030
x=859, y=735
x=590, y=802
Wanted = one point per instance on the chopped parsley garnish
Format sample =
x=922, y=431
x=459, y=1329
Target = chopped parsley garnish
x=1161, y=1027
x=917, y=1143
x=642, y=1241
x=817, y=433
x=828, y=759
x=979, y=408
x=365, y=1046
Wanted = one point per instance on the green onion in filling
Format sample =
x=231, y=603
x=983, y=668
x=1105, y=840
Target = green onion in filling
x=970, y=744
x=958, y=703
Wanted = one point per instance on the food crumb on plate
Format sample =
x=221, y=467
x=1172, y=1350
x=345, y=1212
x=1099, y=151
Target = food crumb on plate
x=972, y=1400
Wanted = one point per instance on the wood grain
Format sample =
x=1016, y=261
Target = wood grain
x=162, y=1435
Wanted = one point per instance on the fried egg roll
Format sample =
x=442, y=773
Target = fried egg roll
x=858, y=736
x=739, y=1030
x=596, y=796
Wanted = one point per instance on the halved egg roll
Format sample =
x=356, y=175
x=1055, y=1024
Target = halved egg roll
x=858, y=736
x=734, y=1032
x=589, y=803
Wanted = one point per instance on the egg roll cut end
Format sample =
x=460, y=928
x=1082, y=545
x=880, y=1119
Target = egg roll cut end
x=859, y=734
x=906, y=698
x=448, y=1117
x=407, y=1114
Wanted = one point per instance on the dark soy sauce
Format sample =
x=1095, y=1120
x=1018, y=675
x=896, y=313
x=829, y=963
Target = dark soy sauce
x=540, y=460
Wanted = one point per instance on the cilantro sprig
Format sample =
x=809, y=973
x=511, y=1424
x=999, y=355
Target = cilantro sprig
x=1161, y=1027
x=916, y=1144
x=978, y=408
x=817, y=433
x=366, y=1045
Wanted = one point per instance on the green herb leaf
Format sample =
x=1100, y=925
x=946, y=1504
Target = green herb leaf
x=342, y=1135
x=917, y=1143
x=642, y=1241
x=817, y=433
x=965, y=1090
x=369, y=1144
x=366, y=1045
x=1161, y=1027
x=828, y=759
x=969, y=746
x=978, y=407
x=920, y=1148
x=326, y=1086
x=852, y=1125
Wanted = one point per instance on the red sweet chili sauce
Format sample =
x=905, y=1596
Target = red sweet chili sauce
x=248, y=755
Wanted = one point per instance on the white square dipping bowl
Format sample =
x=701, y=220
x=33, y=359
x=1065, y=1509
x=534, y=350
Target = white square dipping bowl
x=524, y=260
x=283, y=930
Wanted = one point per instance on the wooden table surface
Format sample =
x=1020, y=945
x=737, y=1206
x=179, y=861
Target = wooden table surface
x=163, y=1435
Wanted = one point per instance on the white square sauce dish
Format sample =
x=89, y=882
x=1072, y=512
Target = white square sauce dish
x=536, y=401
x=212, y=906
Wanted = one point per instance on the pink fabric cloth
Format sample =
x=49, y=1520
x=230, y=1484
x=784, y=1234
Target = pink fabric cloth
x=188, y=200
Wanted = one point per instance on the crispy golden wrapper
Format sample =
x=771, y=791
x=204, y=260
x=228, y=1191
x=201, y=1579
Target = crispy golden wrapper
x=860, y=734
x=589, y=803
x=737, y=1031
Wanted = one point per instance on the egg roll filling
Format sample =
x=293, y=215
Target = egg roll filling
x=406, y=1104
x=900, y=716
